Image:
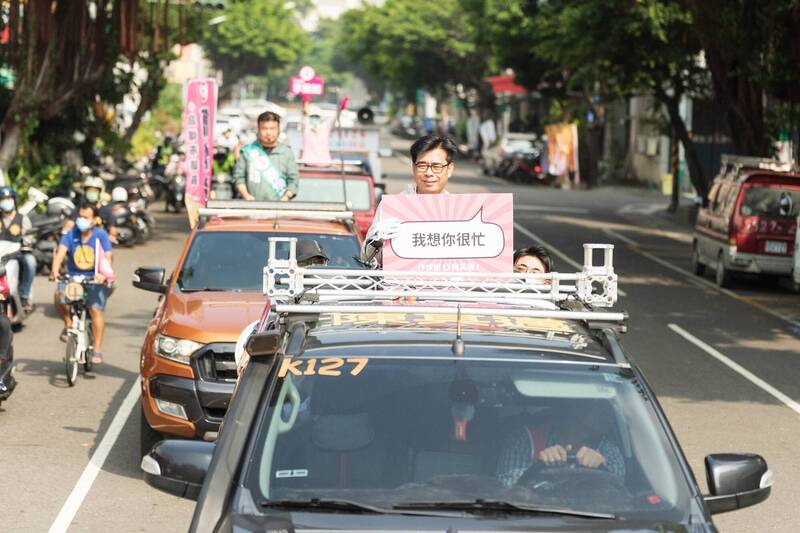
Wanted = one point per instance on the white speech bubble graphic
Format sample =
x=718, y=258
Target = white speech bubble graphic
x=451, y=239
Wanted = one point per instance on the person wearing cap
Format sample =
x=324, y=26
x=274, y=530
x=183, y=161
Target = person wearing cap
x=266, y=169
x=316, y=138
x=17, y=227
x=93, y=188
x=308, y=253
x=431, y=165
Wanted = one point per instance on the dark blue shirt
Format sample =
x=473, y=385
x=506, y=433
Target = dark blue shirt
x=81, y=256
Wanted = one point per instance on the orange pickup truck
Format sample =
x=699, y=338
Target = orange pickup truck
x=187, y=364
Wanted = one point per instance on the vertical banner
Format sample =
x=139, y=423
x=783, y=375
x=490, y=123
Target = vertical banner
x=450, y=233
x=199, y=109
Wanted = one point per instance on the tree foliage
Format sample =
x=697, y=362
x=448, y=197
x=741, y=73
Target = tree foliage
x=410, y=46
x=257, y=37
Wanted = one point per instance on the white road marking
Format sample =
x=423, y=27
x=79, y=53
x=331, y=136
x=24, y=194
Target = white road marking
x=555, y=251
x=736, y=367
x=84, y=484
x=553, y=209
x=697, y=280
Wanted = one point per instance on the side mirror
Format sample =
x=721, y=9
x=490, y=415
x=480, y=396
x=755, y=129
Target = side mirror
x=150, y=279
x=265, y=343
x=736, y=481
x=178, y=467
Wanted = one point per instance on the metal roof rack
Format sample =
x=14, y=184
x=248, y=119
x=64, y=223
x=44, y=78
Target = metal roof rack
x=247, y=209
x=294, y=289
x=742, y=161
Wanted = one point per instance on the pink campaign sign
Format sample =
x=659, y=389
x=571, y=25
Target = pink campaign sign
x=450, y=232
x=199, y=108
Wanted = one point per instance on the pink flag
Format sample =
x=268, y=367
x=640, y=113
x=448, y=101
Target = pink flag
x=101, y=263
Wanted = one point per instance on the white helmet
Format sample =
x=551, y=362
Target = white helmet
x=94, y=181
x=119, y=194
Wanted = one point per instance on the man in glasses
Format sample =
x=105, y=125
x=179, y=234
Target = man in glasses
x=432, y=164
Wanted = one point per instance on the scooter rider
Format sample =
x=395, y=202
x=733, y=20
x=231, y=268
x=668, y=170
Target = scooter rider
x=16, y=227
x=93, y=188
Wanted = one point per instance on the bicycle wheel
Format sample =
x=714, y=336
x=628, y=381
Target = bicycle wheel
x=87, y=363
x=71, y=359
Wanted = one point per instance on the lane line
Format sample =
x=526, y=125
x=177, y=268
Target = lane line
x=553, y=209
x=739, y=369
x=84, y=484
x=555, y=251
x=636, y=247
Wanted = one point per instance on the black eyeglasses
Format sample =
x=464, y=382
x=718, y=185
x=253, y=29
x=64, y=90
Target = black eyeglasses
x=437, y=168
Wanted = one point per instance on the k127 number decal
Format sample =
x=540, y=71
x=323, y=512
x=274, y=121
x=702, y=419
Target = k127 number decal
x=327, y=366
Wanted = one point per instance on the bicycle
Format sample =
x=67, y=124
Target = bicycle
x=80, y=337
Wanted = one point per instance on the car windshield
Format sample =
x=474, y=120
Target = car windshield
x=234, y=261
x=330, y=190
x=389, y=432
x=771, y=202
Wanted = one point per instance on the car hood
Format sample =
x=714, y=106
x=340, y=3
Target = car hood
x=304, y=522
x=210, y=316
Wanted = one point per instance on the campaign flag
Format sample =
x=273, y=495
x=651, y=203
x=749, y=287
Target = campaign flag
x=199, y=109
x=450, y=233
x=102, y=265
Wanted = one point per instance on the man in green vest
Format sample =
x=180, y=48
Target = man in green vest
x=266, y=170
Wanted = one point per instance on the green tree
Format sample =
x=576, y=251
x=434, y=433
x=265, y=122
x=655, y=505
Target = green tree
x=752, y=53
x=409, y=46
x=257, y=37
x=607, y=50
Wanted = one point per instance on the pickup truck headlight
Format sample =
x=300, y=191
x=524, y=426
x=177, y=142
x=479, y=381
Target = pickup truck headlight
x=178, y=350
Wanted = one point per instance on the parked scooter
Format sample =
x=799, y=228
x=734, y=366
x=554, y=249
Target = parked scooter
x=12, y=302
x=7, y=381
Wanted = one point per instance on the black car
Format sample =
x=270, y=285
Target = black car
x=465, y=411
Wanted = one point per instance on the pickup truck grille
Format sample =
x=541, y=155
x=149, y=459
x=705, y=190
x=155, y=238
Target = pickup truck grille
x=215, y=362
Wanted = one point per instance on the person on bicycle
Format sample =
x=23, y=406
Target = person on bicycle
x=79, y=245
x=16, y=227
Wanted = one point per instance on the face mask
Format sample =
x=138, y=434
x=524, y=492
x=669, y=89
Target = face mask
x=92, y=196
x=7, y=204
x=83, y=224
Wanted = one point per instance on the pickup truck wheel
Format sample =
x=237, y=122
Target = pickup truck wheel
x=724, y=277
x=147, y=435
x=697, y=267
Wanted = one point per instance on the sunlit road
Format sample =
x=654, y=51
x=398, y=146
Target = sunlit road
x=724, y=363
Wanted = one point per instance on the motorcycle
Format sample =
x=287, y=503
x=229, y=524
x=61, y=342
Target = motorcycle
x=524, y=166
x=47, y=227
x=12, y=302
x=129, y=225
x=7, y=381
x=176, y=192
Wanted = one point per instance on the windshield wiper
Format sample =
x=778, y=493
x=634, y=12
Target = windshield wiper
x=326, y=505
x=499, y=506
x=318, y=504
x=209, y=289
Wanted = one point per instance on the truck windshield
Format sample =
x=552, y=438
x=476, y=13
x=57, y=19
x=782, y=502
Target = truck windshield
x=330, y=190
x=234, y=261
x=390, y=432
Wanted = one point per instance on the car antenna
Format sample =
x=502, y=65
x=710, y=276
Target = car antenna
x=342, y=107
x=458, y=343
